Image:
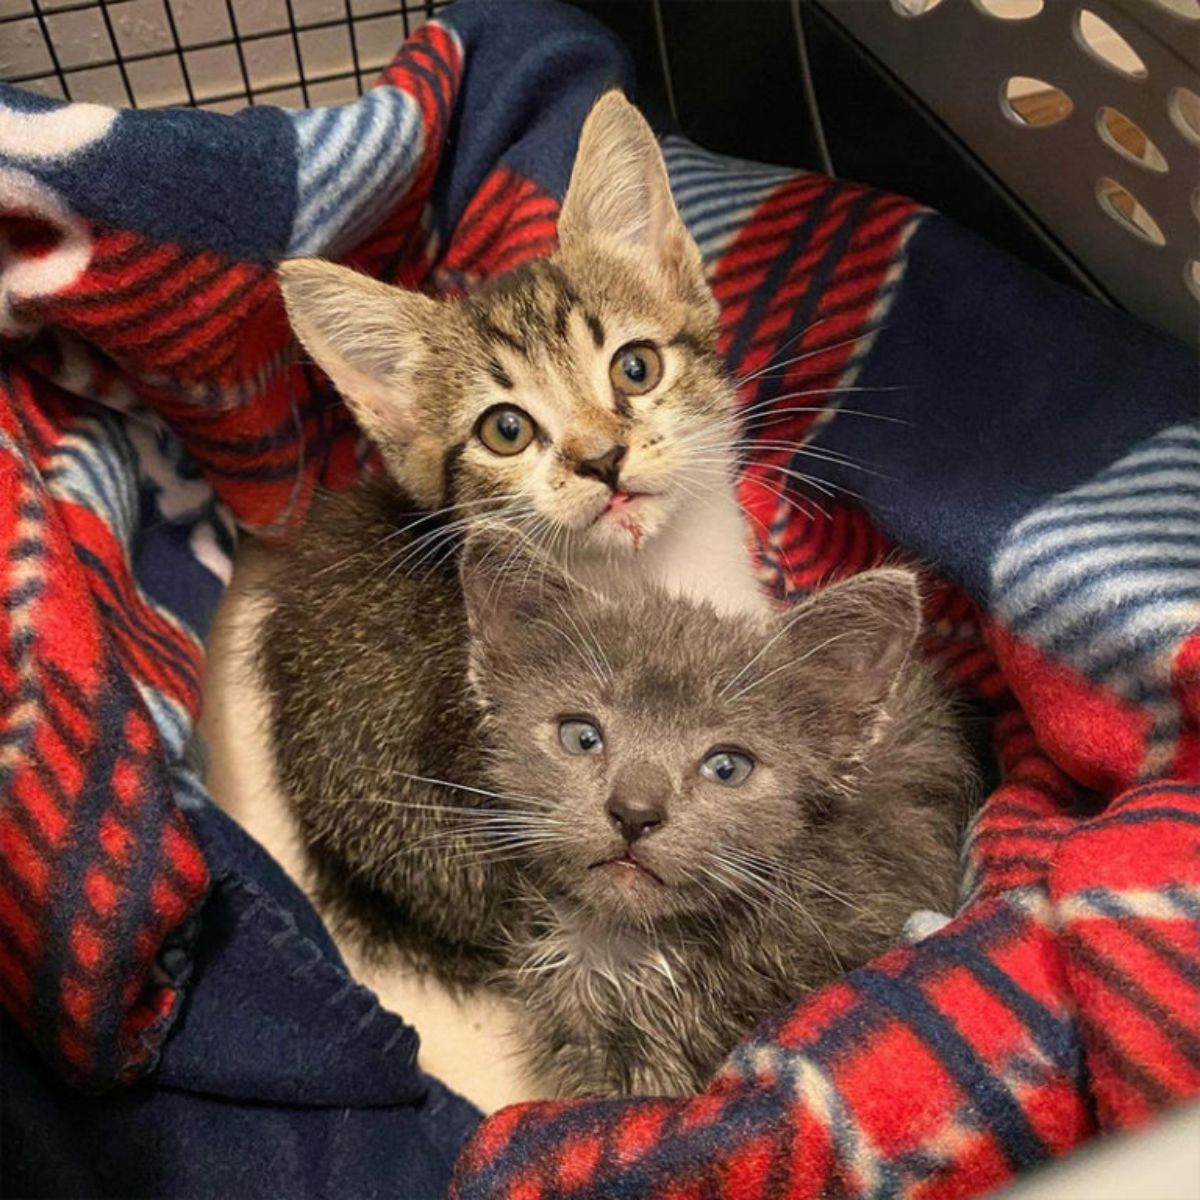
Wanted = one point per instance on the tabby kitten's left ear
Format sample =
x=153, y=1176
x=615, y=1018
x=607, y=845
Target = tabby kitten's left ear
x=366, y=336
x=620, y=192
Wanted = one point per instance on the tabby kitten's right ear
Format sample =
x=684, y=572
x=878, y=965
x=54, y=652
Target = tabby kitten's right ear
x=620, y=193
x=366, y=336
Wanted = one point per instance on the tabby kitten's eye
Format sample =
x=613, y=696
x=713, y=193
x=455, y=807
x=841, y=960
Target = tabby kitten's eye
x=505, y=430
x=580, y=737
x=730, y=768
x=636, y=369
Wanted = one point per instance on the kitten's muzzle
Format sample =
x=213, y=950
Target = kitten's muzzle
x=637, y=804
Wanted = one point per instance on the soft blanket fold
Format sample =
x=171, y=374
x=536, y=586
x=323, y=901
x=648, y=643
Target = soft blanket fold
x=1038, y=455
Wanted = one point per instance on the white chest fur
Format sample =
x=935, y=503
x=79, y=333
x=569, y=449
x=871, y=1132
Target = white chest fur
x=584, y=957
x=702, y=554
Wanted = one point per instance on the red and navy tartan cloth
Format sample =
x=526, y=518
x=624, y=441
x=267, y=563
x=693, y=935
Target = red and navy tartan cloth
x=1037, y=454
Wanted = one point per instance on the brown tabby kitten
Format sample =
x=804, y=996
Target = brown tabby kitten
x=579, y=398
x=711, y=820
x=580, y=402
x=365, y=675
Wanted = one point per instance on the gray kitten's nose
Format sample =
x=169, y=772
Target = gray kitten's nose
x=634, y=822
x=606, y=467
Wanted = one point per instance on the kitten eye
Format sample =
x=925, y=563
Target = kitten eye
x=636, y=369
x=580, y=737
x=730, y=768
x=505, y=430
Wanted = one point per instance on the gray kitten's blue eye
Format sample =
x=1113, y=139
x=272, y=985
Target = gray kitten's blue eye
x=730, y=768
x=505, y=429
x=636, y=368
x=580, y=737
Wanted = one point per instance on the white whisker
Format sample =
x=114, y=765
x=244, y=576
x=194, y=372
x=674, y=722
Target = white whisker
x=787, y=666
x=817, y=350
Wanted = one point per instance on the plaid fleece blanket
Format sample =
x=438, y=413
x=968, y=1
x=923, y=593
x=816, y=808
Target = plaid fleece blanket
x=1037, y=454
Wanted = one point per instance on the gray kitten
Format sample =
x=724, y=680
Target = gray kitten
x=712, y=821
x=650, y=822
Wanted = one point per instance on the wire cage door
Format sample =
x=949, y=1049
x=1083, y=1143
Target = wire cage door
x=215, y=54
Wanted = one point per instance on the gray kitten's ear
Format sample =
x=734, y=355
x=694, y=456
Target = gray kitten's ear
x=861, y=631
x=365, y=335
x=619, y=191
x=510, y=590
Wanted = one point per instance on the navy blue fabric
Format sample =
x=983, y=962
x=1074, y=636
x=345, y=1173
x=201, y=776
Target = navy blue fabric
x=533, y=76
x=1011, y=389
x=163, y=545
x=282, y=1078
x=200, y=202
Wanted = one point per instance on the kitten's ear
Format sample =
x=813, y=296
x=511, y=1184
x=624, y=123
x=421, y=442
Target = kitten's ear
x=861, y=631
x=508, y=588
x=365, y=335
x=619, y=190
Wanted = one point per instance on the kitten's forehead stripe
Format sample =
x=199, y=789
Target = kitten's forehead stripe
x=556, y=279
x=562, y=315
x=530, y=305
x=597, y=329
x=499, y=374
x=494, y=335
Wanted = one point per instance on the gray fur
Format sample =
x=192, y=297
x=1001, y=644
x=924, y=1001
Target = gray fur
x=850, y=821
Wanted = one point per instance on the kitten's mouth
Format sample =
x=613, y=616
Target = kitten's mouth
x=626, y=869
x=621, y=504
x=620, y=499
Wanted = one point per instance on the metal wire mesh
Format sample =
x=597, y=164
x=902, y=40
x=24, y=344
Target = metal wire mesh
x=216, y=54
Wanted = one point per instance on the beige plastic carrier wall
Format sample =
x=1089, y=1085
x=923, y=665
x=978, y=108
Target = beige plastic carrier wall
x=1088, y=112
